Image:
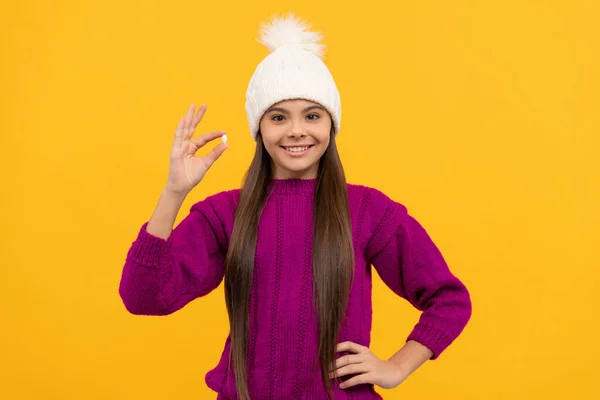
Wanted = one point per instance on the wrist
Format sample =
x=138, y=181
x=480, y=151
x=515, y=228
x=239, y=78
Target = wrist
x=174, y=194
x=410, y=357
x=402, y=371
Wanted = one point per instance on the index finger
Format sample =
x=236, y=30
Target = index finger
x=207, y=137
x=349, y=346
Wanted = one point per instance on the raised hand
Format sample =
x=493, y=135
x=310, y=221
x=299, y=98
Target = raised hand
x=186, y=169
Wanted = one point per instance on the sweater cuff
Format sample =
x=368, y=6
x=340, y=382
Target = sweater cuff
x=431, y=337
x=147, y=249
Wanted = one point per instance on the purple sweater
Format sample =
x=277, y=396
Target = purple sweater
x=162, y=276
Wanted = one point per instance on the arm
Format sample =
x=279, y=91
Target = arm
x=410, y=357
x=162, y=220
x=167, y=268
x=412, y=266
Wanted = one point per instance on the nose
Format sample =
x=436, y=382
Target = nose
x=297, y=130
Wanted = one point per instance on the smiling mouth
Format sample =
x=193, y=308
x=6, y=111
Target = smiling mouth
x=297, y=149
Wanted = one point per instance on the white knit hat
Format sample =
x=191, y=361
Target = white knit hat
x=293, y=70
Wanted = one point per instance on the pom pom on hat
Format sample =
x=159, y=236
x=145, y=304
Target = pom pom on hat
x=290, y=30
x=294, y=69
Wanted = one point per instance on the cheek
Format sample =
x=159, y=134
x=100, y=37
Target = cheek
x=268, y=140
x=322, y=150
x=271, y=148
x=324, y=140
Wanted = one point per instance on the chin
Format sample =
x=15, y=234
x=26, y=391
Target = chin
x=296, y=168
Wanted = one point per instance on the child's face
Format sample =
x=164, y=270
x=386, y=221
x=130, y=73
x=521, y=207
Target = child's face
x=295, y=123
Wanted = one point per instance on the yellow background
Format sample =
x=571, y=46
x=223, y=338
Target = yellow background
x=480, y=116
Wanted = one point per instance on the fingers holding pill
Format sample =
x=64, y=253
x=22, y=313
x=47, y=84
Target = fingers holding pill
x=186, y=168
x=202, y=140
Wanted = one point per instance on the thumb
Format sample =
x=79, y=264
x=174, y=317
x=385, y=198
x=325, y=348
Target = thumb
x=214, y=154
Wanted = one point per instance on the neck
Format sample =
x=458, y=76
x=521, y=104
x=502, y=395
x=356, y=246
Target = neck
x=310, y=173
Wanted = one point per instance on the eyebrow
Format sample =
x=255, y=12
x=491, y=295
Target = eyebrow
x=287, y=112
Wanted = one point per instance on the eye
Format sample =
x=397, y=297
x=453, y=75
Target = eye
x=274, y=118
x=317, y=116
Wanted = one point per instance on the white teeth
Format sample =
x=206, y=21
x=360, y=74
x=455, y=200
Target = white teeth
x=296, y=149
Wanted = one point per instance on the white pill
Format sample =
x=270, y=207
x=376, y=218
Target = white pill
x=224, y=138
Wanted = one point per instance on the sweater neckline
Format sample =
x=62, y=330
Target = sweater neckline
x=292, y=185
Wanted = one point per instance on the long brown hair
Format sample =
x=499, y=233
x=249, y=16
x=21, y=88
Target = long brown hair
x=333, y=258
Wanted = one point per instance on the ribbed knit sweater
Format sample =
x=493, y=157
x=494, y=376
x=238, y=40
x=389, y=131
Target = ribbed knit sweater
x=162, y=276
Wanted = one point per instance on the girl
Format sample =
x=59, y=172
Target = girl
x=294, y=246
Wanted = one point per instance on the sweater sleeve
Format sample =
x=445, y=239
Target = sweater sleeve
x=162, y=276
x=411, y=265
